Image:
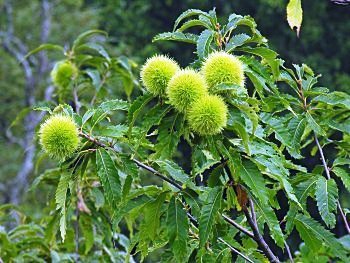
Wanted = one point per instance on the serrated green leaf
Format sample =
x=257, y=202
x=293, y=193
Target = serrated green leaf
x=176, y=172
x=109, y=176
x=152, y=213
x=248, y=111
x=314, y=235
x=269, y=217
x=252, y=177
x=98, y=197
x=189, y=13
x=82, y=38
x=178, y=225
x=203, y=157
x=236, y=41
x=203, y=43
x=44, y=47
x=297, y=127
x=95, y=78
x=336, y=98
x=169, y=133
x=208, y=213
x=50, y=177
x=61, y=191
x=127, y=185
x=152, y=118
x=277, y=124
x=136, y=107
x=313, y=125
x=176, y=36
x=343, y=125
x=150, y=225
x=60, y=198
x=116, y=131
x=263, y=52
x=343, y=175
x=95, y=47
x=238, y=20
x=113, y=105
x=259, y=82
x=134, y=203
x=242, y=132
x=303, y=190
x=326, y=196
x=192, y=23
x=88, y=114
x=86, y=227
x=341, y=161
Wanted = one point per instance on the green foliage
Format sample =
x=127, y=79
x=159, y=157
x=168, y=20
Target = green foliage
x=208, y=214
x=326, y=193
x=315, y=235
x=178, y=177
x=178, y=223
x=109, y=176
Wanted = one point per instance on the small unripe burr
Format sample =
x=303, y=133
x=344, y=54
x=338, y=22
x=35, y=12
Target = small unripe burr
x=156, y=73
x=63, y=73
x=208, y=115
x=223, y=68
x=184, y=88
x=59, y=136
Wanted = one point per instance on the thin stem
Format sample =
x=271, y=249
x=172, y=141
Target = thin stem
x=155, y=172
x=235, y=250
x=288, y=252
x=238, y=226
x=257, y=236
x=326, y=168
x=252, y=210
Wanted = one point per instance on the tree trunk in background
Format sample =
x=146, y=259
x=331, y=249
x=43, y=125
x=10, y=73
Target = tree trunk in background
x=34, y=76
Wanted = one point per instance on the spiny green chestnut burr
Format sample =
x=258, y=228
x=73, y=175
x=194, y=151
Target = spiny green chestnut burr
x=184, y=88
x=156, y=73
x=208, y=115
x=59, y=136
x=221, y=67
x=63, y=73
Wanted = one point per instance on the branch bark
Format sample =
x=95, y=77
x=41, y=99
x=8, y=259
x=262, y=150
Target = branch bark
x=17, y=49
x=341, y=2
x=257, y=236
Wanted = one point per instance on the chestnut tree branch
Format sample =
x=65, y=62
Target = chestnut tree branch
x=257, y=236
x=176, y=185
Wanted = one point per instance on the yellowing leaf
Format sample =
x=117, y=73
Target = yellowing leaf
x=295, y=15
